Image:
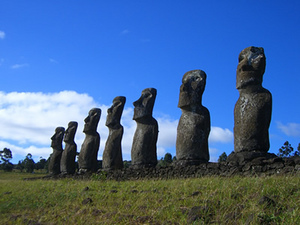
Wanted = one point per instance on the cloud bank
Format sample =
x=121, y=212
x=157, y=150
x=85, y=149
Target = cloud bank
x=28, y=121
x=218, y=134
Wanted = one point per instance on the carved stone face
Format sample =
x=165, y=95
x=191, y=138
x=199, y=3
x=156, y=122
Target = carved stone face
x=192, y=88
x=144, y=105
x=57, y=138
x=114, y=113
x=251, y=67
x=91, y=121
x=70, y=132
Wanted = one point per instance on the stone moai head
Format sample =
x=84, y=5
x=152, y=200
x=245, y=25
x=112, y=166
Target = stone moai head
x=91, y=121
x=251, y=67
x=114, y=113
x=57, y=138
x=70, y=132
x=143, y=107
x=192, y=88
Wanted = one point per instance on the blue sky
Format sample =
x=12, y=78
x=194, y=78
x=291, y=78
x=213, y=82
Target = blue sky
x=58, y=59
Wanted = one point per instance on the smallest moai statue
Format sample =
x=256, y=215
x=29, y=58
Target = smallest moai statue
x=56, y=144
x=112, y=154
x=67, y=163
x=194, y=124
x=143, y=151
x=87, y=159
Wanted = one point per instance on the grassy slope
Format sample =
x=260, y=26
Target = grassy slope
x=204, y=200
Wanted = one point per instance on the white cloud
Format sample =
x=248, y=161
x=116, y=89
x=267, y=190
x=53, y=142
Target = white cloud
x=160, y=152
x=290, y=129
x=166, y=136
x=1, y=61
x=124, y=32
x=2, y=34
x=218, y=134
x=18, y=66
x=129, y=129
x=214, y=154
x=28, y=121
x=53, y=61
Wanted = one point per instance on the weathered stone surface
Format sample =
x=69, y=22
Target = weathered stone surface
x=143, y=151
x=252, y=112
x=242, y=158
x=67, y=163
x=112, y=154
x=56, y=144
x=87, y=159
x=194, y=124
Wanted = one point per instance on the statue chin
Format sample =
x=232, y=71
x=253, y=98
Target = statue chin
x=56, y=145
x=184, y=100
x=112, y=124
x=89, y=129
x=140, y=113
x=249, y=82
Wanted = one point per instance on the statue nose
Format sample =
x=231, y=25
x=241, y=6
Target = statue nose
x=246, y=67
x=194, y=85
x=137, y=102
x=87, y=119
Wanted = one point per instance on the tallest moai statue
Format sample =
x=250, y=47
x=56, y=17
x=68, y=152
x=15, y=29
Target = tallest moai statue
x=252, y=112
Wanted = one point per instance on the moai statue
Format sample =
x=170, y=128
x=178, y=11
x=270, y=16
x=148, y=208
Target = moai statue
x=194, y=124
x=67, y=163
x=112, y=154
x=143, y=151
x=87, y=159
x=56, y=144
x=252, y=112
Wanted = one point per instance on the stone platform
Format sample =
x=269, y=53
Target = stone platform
x=256, y=167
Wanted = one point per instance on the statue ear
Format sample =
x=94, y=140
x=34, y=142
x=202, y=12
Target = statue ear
x=146, y=97
x=118, y=104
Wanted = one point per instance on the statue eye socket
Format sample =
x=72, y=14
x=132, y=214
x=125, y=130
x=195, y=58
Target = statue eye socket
x=198, y=78
x=117, y=104
x=241, y=57
x=146, y=95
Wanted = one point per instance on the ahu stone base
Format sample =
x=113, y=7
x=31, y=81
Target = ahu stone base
x=256, y=167
x=267, y=165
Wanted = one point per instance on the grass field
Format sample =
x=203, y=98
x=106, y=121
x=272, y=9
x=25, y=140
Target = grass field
x=207, y=200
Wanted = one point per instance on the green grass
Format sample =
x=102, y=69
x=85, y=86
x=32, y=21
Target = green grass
x=214, y=200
